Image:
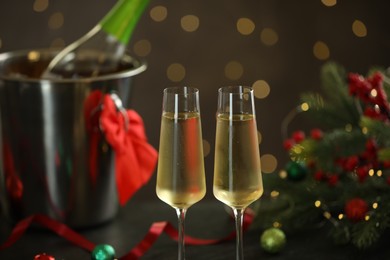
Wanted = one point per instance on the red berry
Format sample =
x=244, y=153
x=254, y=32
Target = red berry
x=362, y=173
x=350, y=163
x=298, y=136
x=319, y=175
x=288, y=144
x=311, y=164
x=340, y=161
x=386, y=164
x=371, y=145
x=333, y=180
x=376, y=79
x=371, y=112
x=316, y=134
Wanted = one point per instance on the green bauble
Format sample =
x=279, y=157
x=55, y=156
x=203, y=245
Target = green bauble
x=103, y=252
x=296, y=171
x=273, y=240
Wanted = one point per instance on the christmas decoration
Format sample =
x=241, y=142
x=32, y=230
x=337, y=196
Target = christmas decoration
x=43, y=257
x=339, y=174
x=273, y=240
x=106, y=251
x=296, y=171
x=356, y=209
x=130, y=145
x=135, y=158
x=103, y=252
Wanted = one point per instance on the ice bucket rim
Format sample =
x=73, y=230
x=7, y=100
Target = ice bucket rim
x=139, y=66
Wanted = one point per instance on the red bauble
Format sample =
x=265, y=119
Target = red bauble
x=356, y=209
x=371, y=146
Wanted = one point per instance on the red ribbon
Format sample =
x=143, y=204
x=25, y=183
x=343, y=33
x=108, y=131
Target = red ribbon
x=158, y=228
x=155, y=230
x=135, y=158
x=57, y=227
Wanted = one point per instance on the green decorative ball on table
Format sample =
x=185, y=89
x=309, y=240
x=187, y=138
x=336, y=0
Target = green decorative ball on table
x=296, y=171
x=103, y=252
x=273, y=240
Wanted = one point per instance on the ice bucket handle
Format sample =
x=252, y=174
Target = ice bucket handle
x=119, y=106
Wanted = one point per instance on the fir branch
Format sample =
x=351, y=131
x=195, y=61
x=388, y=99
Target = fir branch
x=333, y=77
x=375, y=69
x=294, y=207
x=365, y=233
x=337, y=108
x=338, y=143
x=384, y=154
x=341, y=234
x=325, y=113
x=377, y=129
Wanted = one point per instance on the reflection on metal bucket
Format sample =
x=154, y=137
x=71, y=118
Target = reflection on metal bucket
x=47, y=142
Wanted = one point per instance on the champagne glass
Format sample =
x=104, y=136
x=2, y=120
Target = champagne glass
x=237, y=172
x=180, y=172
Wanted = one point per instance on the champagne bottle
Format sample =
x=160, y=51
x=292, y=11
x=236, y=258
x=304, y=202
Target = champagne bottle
x=101, y=49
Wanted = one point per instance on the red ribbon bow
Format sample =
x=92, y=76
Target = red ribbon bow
x=135, y=158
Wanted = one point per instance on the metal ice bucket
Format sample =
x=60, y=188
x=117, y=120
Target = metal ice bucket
x=45, y=143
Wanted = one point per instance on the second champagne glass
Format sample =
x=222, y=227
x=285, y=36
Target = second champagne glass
x=180, y=173
x=237, y=172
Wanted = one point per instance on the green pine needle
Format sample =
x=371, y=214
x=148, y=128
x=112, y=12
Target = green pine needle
x=336, y=108
x=384, y=154
x=364, y=234
x=377, y=128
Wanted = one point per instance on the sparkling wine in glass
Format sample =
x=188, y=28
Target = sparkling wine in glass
x=237, y=171
x=180, y=173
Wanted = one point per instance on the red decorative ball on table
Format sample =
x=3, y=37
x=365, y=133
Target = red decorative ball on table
x=43, y=257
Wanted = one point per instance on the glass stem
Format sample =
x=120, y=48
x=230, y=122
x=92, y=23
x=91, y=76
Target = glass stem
x=181, y=215
x=238, y=215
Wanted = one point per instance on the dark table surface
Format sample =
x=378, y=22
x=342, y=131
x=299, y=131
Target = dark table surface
x=206, y=219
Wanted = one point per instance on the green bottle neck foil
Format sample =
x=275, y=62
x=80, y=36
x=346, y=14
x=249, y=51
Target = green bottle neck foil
x=122, y=19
